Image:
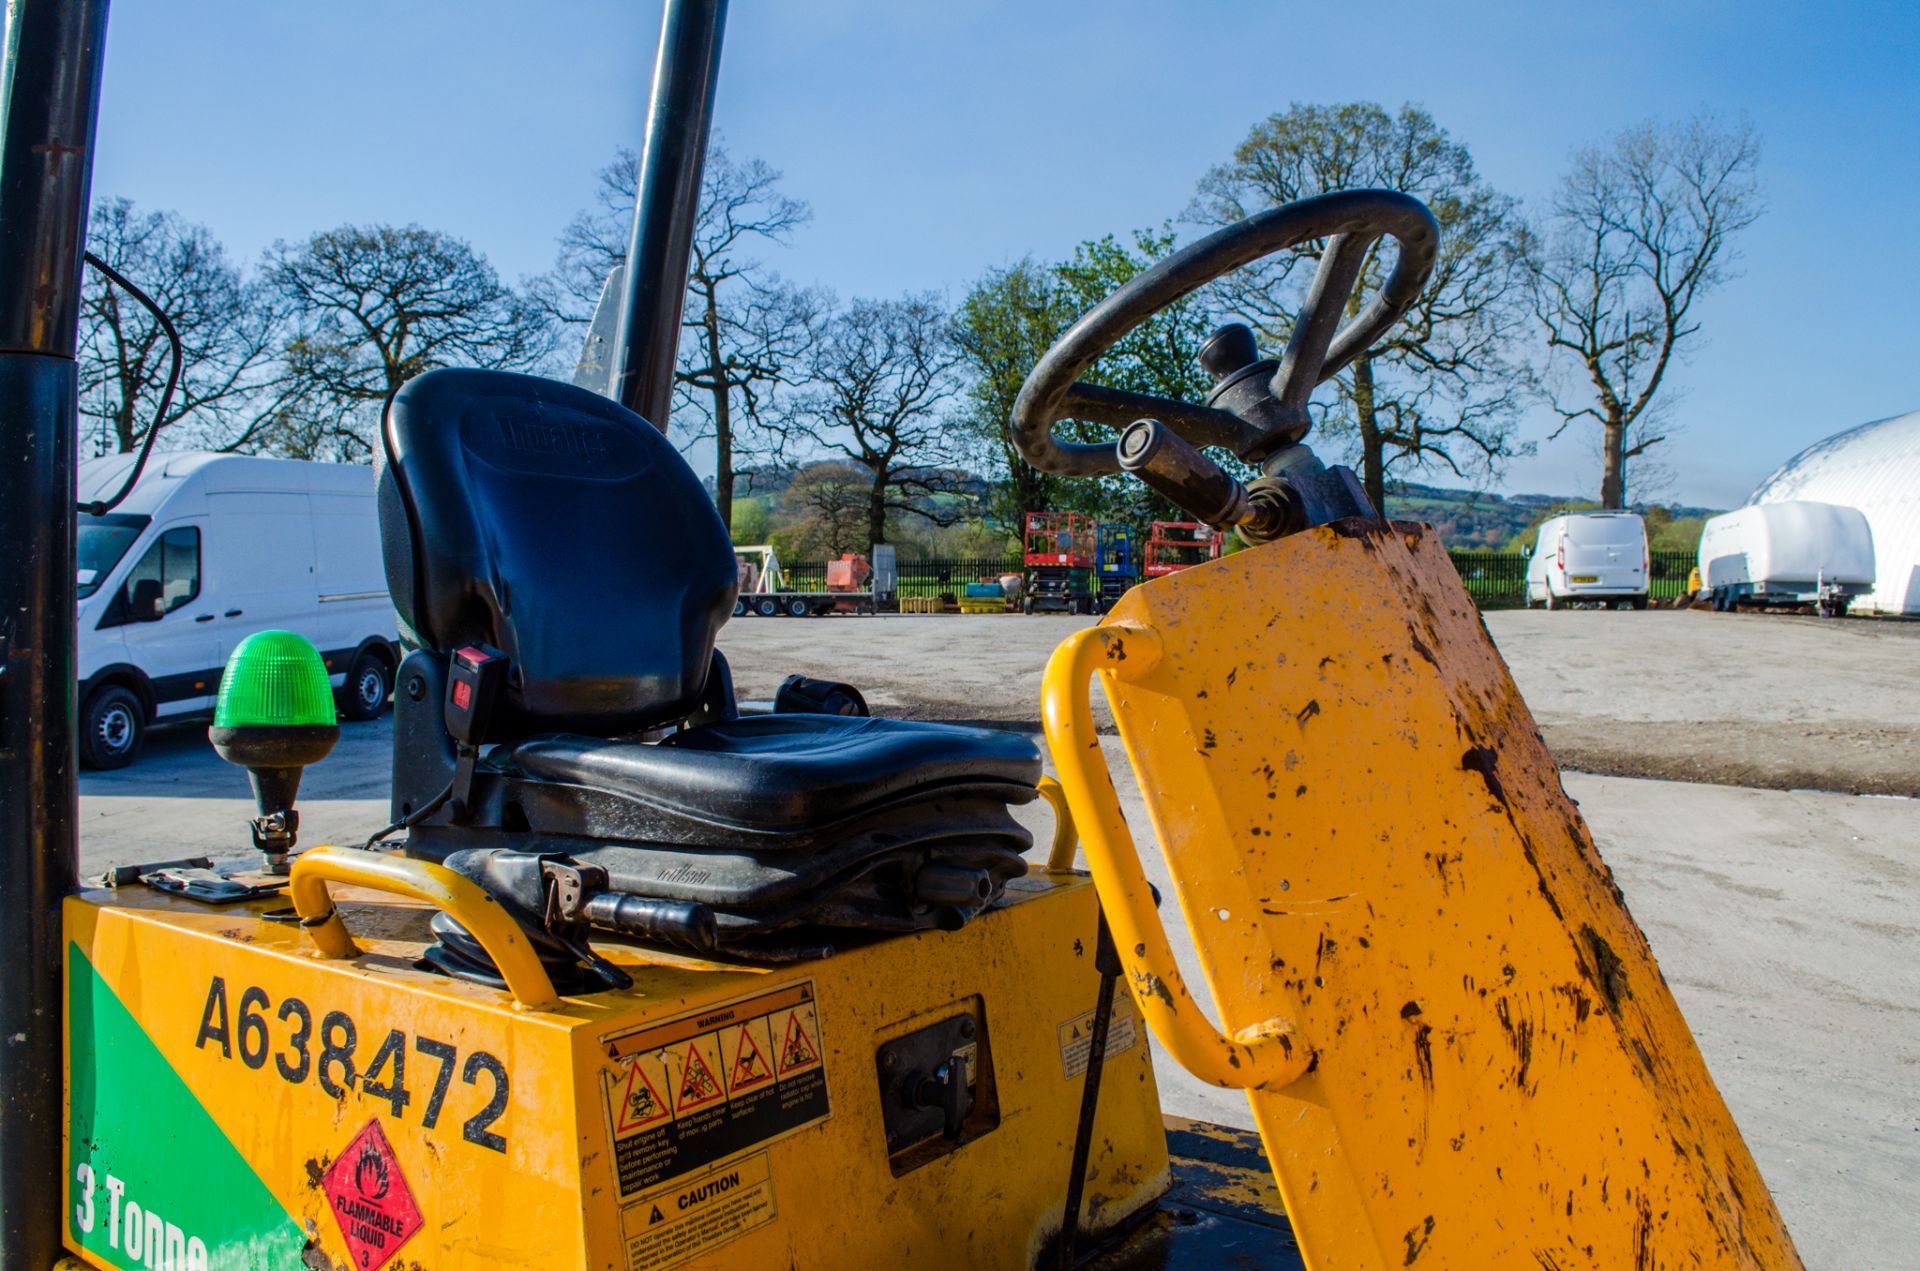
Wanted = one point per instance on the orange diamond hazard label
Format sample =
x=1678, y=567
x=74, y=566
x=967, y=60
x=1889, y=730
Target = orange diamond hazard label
x=640, y=1104
x=698, y=1085
x=370, y=1199
x=798, y=1050
x=750, y=1067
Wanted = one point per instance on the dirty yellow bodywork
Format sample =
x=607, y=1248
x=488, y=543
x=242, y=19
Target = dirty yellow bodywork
x=1455, y=1039
x=240, y=1099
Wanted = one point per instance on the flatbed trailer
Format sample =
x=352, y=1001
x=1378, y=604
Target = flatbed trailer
x=802, y=604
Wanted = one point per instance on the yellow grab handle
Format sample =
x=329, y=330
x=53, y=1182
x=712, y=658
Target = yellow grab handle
x=464, y=900
x=1066, y=841
x=1265, y=1056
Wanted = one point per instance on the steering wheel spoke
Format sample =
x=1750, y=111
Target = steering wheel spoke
x=1303, y=367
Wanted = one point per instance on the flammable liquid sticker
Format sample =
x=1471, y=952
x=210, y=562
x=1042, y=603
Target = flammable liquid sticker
x=699, y=1087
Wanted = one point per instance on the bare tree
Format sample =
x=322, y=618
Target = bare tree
x=1440, y=388
x=1639, y=231
x=592, y=245
x=743, y=327
x=879, y=384
x=232, y=385
x=375, y=306
x=829, y=502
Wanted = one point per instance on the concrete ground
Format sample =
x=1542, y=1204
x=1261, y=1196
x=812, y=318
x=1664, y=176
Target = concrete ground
x=1766, y=700
x=1784, y=919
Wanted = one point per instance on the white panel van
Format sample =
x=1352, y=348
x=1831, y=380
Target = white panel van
x=1590, y=556
x=206, y=550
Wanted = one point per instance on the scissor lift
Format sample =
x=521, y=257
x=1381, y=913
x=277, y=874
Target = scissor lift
x=1059, y=558
x=1177, y=545
x=1115, y=566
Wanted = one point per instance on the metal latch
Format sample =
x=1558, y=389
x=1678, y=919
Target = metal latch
x=936, y=1088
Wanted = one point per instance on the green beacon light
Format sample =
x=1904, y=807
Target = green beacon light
x=275, y=716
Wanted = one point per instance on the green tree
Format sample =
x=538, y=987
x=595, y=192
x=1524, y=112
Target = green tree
x=1441, y=387
x=1002, y=327
x=1010, y=318
x=1640, y=229
x=751, y=520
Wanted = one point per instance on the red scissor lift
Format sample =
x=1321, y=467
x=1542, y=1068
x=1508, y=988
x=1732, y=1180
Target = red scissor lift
x=1059, y=552
x=1177, y=545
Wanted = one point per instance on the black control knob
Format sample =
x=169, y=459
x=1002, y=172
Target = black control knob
x=1231, y=348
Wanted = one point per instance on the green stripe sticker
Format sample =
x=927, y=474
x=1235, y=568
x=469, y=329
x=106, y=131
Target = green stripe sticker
x=155, y=1183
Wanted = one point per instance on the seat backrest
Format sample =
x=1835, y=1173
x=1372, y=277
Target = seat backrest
x=562, y=529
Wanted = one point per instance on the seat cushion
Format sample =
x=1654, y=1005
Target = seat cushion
x=789, y=771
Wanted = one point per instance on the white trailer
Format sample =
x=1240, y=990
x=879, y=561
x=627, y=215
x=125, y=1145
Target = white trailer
x=1790, y=553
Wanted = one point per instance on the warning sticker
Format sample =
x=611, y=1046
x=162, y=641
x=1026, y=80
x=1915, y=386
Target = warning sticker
x=370, y=1199
x=1076, y=1038
x=698, y=1214
x=701, y=1087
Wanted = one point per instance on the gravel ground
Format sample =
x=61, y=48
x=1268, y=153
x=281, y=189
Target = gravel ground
x=1772, y=701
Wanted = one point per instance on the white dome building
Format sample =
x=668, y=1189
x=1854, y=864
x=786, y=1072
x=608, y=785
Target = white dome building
x=1876, y=468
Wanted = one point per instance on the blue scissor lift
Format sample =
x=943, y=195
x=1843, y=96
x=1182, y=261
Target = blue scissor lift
x=1114, y=563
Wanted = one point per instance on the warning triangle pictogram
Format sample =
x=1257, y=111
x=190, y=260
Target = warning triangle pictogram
x=698, y=1087
x=749, y=1065
x=640, y=1104
x=797, y=1051
x=657, y=1216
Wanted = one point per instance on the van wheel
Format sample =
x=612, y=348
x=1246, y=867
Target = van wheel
x=369, y=684
x=112, y=726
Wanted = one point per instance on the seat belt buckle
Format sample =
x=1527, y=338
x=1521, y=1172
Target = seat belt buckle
x=476, y=678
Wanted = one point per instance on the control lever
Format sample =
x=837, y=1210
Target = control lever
x=947, y=1089
x=1176, y=468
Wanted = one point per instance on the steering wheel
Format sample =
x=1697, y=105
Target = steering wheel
x=1351, y=222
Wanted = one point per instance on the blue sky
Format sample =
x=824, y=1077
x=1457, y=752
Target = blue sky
x=935, y=140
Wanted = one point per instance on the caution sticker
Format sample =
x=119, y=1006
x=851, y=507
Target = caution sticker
x=1076, y=1038
x=698, y=1214
x=711, y=1084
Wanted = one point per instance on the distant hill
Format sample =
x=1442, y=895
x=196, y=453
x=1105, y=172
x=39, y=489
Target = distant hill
x=1478, y=520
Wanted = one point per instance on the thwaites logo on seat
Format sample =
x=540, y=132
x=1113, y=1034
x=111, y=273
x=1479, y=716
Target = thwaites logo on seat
x=371, y=1200
x=538, y=436
x=703, y=1086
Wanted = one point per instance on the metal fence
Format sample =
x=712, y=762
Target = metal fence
x=1498, y=580
x=919, y=579
x=1495, y=580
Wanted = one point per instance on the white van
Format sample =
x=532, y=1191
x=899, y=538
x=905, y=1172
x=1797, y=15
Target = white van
x=1589, y=556
x=206, y=550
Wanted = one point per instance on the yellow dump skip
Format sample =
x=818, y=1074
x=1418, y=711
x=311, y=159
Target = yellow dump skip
x=1457, y=1043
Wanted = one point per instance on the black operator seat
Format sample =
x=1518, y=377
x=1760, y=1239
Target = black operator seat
x=552, y=525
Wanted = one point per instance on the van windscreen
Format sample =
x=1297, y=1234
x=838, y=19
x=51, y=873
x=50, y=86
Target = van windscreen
x=101, y=542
